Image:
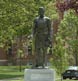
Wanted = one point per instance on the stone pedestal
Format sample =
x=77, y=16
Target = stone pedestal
x=39, y=75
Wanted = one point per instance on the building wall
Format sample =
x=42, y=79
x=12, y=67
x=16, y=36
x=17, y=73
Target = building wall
x=2, y=54
x=3, y=57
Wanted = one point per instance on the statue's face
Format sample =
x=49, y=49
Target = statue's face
x=41, y=11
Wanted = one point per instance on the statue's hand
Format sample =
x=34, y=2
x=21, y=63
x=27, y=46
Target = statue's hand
x=48, y=42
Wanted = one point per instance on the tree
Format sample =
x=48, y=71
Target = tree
x=65, y=40
x=15, y=18
x=65, y=48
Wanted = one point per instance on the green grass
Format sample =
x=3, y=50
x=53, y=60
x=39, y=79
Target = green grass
x=10, y=75
x=16, y=80
x=10, y=72
x=20, y=79
x=59, y=79
x=67, y=80
x=7, y=72
x=56, y=80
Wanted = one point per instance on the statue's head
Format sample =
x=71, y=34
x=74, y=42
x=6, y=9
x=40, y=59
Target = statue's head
x=41, y=11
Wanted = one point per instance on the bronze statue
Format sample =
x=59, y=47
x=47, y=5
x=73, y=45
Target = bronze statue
x=42, y=38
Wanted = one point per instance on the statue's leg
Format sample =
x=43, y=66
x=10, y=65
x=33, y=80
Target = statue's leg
x=44, y=57
x=37, y=56
x=36, y=53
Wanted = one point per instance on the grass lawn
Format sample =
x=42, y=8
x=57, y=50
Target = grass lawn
x=13, y=72
x=67, y=80
x=10, y=72
x=16, y=80
x=56, y=80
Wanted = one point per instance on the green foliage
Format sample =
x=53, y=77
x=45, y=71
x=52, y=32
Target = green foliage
x=70, y=29
x=60, y=56
x=15, y=18
x=66, y=41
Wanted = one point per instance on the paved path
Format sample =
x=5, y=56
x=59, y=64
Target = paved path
x=20, y=79
x=10, y=79
x=58, y=79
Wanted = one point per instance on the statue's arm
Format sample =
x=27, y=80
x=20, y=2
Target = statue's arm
x=49, y=28
x=50, y=35
x=50, y=32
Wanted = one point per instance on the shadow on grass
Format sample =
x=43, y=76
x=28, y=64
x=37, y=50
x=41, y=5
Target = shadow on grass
x=11, y=68
x=7, y=76
x=11, y=72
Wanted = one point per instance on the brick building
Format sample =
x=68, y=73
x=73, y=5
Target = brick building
x=3, y=56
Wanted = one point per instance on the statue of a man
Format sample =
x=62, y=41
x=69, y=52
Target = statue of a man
x=42, y=37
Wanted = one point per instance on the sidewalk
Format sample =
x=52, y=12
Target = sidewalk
x=21, y=79
x=13, y=79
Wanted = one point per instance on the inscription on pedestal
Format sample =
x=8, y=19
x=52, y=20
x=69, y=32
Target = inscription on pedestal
x=39, y=75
